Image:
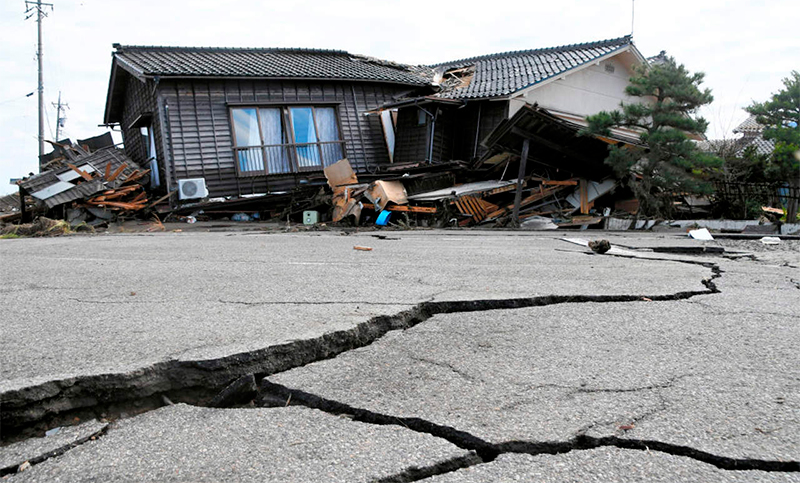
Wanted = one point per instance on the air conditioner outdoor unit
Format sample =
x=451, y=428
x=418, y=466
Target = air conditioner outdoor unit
x=192, y=188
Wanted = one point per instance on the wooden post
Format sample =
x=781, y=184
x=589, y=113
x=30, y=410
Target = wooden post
x=518, y=196
x=584, y=191
x=22, y=208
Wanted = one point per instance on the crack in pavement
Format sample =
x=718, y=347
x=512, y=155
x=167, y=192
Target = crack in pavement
x=162, y=379
x=30, y=409
x=443, y=365
x=589, y=390
x=414, y=473
x=717, y=310
x=14, y=468
x=270, y=393
x=338, y=302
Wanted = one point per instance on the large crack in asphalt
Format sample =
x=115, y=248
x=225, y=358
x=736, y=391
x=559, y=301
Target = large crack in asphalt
x=277, y=395
x=33, y=409
x=30, y=410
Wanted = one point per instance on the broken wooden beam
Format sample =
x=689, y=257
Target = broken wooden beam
x=117, y=172
x=411, y=209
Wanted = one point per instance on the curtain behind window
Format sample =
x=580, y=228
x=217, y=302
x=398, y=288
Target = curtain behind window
x=272, y=127
x=329, y=131
x=245, y=128
x=304, y=132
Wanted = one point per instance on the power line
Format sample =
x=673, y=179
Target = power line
x=17, y=98
x=49, y=127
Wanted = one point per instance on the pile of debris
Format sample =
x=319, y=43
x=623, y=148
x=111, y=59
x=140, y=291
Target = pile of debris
x=86, y=187
x=470, y=203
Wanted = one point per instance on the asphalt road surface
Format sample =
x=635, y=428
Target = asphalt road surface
x=436, y=356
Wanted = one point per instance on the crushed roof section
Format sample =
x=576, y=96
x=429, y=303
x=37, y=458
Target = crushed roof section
x=266, y=63
x=96, y=160
x=9, y=203
x=504, y=73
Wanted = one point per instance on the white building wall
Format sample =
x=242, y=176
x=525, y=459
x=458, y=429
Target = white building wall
x=585, y=92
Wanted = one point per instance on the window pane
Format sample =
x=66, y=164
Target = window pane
x=274, y=135
x=245, y=129
x=304, y=132
x=388, y=132
x=329, y=131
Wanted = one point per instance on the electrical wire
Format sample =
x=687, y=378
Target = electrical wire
x=16, y=98
x=47, y=117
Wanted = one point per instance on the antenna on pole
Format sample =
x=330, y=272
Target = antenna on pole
x=39, y=8
x=633, y=5
x=60, y=119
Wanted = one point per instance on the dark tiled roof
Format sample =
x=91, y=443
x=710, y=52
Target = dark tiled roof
x=265, y=63
x=504, y=73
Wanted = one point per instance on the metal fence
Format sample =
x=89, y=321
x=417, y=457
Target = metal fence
x=288, y=158
x=773, y=194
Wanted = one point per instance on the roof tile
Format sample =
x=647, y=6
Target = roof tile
x=266, y=63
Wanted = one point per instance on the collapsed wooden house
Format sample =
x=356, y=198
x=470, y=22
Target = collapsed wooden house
x=219, y=122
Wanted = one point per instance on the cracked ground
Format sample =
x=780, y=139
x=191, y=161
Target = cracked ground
x=438, y=356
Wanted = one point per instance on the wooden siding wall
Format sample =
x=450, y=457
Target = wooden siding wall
x=454, y=137
x=411, y=139
x=140, y=99
x=492, y=113
x=137, y=101
x=200, y=135
x=446, y=133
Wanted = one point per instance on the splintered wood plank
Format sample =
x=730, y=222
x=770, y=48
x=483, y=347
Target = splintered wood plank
x=139, y=175
x=543, y=193
x=108, y=172
x=131, y=176
x=567, y=182
x=410, y=209
x=117, y=172
x=118, y=204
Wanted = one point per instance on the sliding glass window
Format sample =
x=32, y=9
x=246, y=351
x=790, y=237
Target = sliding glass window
x=285, y=139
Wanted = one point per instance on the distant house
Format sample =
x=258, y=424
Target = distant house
x=751, y=132
x=251, y=120
x=266, y=120
x=751, y=138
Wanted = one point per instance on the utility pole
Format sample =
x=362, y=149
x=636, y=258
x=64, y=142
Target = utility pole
x=39, y=7
x=59, y=118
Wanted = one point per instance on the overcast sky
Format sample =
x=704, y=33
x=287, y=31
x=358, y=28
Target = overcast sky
x=744, y=47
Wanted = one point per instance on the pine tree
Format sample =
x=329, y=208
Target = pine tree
x=781, y=117
x=671, y=164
